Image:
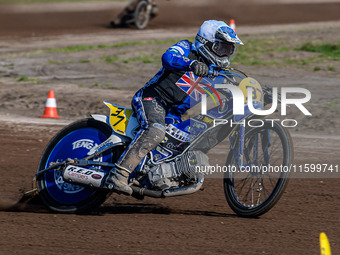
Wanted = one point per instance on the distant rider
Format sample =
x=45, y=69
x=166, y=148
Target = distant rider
x=164, y=95
x=130, y=9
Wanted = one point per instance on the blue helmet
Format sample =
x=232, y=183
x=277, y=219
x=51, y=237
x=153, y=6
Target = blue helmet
x=215, y=42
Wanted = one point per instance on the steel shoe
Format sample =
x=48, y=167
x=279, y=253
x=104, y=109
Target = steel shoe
x=119, y=179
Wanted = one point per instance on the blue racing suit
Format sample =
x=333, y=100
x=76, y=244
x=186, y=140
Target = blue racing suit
x=167, y=93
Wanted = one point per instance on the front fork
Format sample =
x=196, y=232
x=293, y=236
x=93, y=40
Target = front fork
x=237, y=138
x=240, y=153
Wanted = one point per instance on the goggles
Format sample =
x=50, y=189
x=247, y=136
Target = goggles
x=222, y=49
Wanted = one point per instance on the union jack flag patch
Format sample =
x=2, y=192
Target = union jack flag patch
x=194, y=86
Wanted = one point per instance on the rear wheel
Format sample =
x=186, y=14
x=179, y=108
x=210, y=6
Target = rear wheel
x=142, y=15
x=255, y=189
x=74, y=141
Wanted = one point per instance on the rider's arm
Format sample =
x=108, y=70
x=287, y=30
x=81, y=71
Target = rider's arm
x=176, y=57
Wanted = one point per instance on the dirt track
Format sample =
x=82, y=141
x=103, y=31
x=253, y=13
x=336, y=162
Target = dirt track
x=197, y=224
x=25, y=21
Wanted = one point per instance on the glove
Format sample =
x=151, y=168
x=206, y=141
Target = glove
x=199, y=68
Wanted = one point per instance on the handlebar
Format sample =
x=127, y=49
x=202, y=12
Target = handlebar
x=214, y=72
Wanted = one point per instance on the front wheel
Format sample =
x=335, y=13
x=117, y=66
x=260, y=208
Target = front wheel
x=74, y=141
x=255, y=188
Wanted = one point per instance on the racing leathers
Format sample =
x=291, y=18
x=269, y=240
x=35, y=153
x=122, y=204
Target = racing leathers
x=160, y=97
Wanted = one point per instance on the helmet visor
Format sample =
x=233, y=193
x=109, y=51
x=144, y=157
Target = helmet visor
x=223, y=49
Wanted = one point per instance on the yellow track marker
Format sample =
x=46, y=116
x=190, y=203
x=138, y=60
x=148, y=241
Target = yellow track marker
x=325, y=248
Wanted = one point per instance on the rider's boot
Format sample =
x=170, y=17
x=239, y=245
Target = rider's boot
x=119, y=179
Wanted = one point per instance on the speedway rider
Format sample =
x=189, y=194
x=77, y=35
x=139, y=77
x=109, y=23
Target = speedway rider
x=163, y=95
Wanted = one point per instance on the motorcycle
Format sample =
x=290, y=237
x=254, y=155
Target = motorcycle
x=73, y=168
x=137, y=13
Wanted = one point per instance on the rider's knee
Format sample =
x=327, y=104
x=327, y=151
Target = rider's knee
x=153, y=136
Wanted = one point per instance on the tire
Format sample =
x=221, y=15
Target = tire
x=264, y=188
x=74, y=141
x=141, y=15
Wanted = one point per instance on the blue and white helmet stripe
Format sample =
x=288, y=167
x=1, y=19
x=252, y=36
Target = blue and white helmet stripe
x=226, y=33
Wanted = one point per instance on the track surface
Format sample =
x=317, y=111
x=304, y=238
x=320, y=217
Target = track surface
x=31, y=21
x=197, y=224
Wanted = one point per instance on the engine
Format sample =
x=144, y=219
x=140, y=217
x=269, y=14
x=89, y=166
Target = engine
x=173, y=173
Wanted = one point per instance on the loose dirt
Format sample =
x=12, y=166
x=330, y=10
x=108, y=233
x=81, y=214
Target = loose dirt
x=198, y=224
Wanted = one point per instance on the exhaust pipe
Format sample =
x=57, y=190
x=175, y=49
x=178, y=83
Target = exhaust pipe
x=169, y=192
x=185, y=190
x=147, y=192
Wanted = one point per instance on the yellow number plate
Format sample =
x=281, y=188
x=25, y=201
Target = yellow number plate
x=119, y=117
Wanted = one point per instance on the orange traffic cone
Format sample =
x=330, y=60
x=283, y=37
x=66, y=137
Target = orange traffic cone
x=232, y=24
x=51, y=107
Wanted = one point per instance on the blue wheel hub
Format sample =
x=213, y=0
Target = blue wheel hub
x=74, y=145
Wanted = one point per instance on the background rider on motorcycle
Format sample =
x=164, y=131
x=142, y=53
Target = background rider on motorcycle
x=214, y=44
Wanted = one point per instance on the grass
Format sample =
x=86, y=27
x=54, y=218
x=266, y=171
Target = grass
x=78, y=48
x=84, y=61
x=255, y=51
x=333, y=105
x=331, y=68
x=96, y=85
x=111, y=60
x=141, y=58
x=271, y=52
x=326, y=49
x=250, y=54
x=26, y=79
x=54, y=62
